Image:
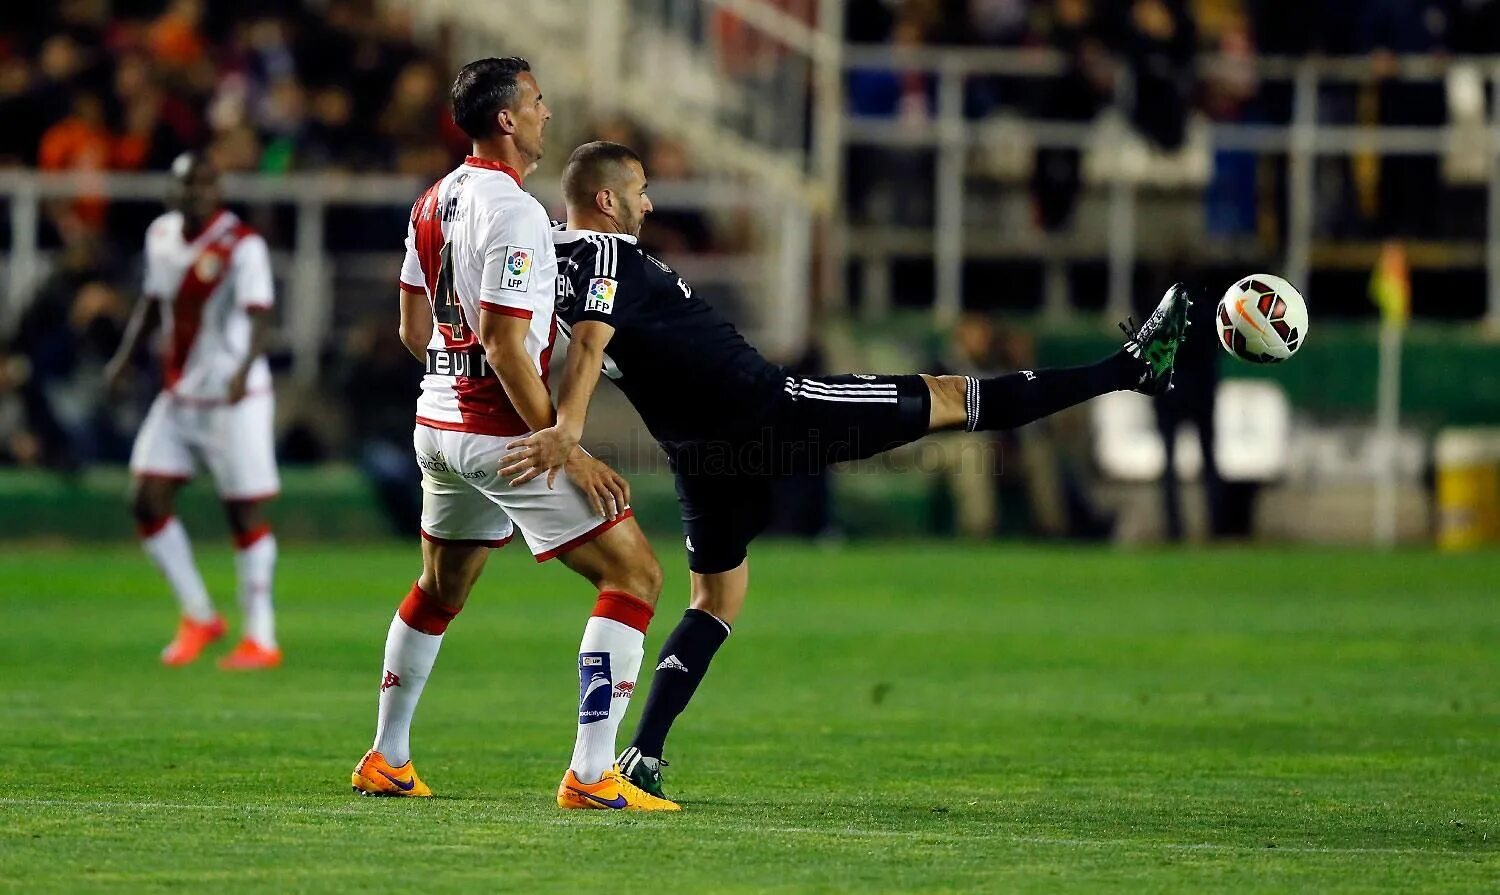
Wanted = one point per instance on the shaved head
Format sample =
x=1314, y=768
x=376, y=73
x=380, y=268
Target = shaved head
x=195, y=187
x=596, y=166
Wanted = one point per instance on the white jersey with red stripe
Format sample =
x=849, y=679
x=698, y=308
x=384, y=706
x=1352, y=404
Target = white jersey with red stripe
x=207, y=285
x=497, y=243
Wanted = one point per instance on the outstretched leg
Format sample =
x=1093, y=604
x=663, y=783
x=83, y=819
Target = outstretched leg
x=1015, y=399
x=843, y=418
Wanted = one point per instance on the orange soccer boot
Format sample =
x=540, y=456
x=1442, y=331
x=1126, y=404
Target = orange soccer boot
x=614, y=791
x=190, y=641
x=251, y=656
x=374, y=776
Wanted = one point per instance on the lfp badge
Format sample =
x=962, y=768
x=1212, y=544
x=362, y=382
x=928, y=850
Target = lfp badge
x=601, y=295
x=517, y=267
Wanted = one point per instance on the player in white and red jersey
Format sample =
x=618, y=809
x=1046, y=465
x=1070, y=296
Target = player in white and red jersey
x=208, y=280
x=477, y=296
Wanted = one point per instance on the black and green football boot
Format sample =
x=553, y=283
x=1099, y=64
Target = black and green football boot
x=1155, y=343
x=643, y=770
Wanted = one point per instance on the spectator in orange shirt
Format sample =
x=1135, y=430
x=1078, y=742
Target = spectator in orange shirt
x=174, y=38
x=80, y=142
x=83, y=143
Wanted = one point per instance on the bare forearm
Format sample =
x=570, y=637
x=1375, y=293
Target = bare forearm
x=260, y=336
x=549, y=450
x=523, y=385
x=580, y=378
x=416, y=342
x=504, y=339
x=416, y=324
x=143, y=321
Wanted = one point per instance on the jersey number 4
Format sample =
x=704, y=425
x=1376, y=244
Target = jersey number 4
x=446, y=309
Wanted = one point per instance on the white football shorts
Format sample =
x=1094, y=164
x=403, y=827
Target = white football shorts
x=465, y=500
x=236, y=442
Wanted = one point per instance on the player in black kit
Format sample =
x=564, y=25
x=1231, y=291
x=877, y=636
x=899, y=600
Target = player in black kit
x=730, y=421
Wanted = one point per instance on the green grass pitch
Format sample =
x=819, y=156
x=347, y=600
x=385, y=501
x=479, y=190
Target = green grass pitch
x=889, y=717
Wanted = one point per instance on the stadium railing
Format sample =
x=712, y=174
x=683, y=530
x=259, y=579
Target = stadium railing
x=761, y=88
x=951, y=135
x=664, y=64
x=323, y=287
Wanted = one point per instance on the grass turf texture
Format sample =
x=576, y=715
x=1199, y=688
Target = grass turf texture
x=888, y=717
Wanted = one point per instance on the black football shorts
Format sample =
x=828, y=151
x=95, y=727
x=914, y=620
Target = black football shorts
x=724, y=489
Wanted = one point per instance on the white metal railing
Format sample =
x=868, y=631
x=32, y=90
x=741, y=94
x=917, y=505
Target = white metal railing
x=751, y=110
x=656, y=59
x=771, y=278
x=660, y=63
x=656, y=62
x=951, y=135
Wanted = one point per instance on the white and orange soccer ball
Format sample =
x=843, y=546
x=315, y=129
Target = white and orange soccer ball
x=1262, y=319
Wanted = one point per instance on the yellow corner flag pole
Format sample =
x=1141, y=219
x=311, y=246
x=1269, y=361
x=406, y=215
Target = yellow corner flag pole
x=1390, y=289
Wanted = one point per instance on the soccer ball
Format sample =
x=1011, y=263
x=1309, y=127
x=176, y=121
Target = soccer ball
x=1262, y=319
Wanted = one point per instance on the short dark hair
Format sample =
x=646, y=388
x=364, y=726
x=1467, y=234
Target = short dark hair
x=482, y=89
x=593, y=167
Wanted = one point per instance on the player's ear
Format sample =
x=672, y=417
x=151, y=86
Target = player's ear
x=507, y=121
x=604, y=200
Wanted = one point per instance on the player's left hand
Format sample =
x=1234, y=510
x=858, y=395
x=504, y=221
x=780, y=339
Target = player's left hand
x=237, y=386
x=545, y=450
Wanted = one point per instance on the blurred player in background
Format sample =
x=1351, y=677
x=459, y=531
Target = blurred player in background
x=477, y=295
x=208, y=279
x=731, y=421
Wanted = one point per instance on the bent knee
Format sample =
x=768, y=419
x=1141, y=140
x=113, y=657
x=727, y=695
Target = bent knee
x=724, y=607
x=641, y=578
x=654, y=580
x=244, y=516
x=449, y=572
x=143, y=511
x=150, y=507
x=644, y=579
x=450, y=590
x=949, y=401
x=948, y=388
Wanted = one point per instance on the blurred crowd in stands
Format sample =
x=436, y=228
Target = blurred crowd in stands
x=1162, y=45
x=126, y=85
x=1274, y=27
x=267, y=86
x=279, y=86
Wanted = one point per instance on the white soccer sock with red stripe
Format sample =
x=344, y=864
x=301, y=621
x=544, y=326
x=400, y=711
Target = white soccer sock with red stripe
x=168, y=546
x=411, y=648
x=609, y=658
x=255, y=564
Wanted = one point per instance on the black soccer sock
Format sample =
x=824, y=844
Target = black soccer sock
x=683, y=662
x=1015, y=399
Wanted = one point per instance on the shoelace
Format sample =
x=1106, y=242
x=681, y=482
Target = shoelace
x=630, y=789
x=1128, y=327
x=647, y=763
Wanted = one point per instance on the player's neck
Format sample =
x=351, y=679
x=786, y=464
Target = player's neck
x=504, y=152
x=193, y=225
x=596, y=224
